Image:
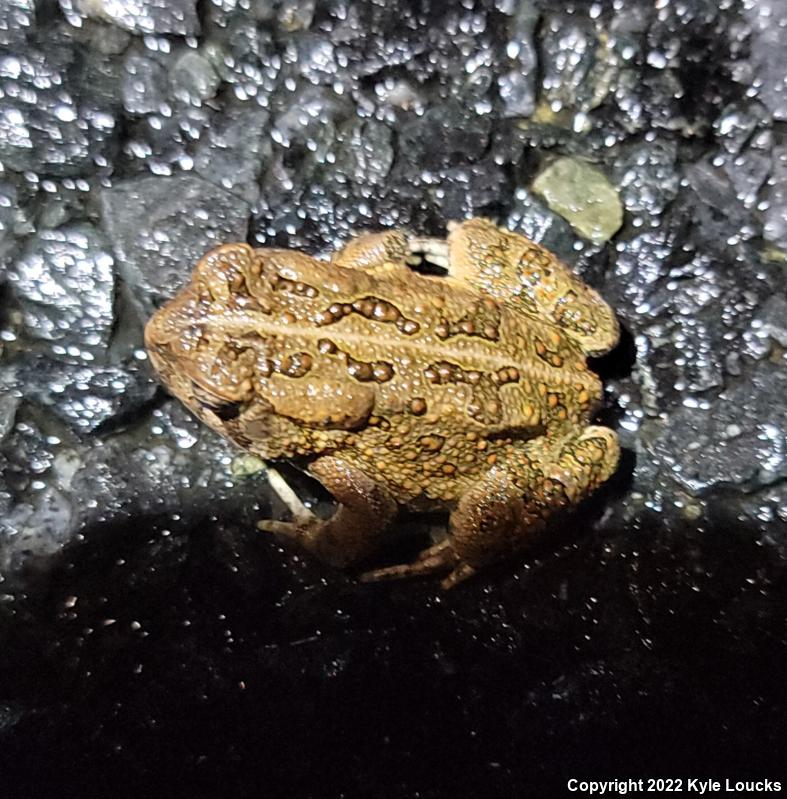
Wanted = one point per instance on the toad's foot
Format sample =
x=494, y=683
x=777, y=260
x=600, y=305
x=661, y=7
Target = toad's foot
x=304, y=525
x=437, y=558
x=365, y=510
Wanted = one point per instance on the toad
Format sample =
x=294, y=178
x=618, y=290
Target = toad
x=467, y=390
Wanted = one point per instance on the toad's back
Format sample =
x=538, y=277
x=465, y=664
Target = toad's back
x=336, y=350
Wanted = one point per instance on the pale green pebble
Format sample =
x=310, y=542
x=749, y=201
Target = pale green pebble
x=246, y=465
x=583, y=196
x=194, y=74
x=692, y=510
x=774, y=255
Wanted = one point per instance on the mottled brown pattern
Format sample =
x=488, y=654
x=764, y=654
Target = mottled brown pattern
x=433, y=389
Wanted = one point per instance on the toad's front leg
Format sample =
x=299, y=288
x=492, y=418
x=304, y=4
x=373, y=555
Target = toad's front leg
x=365, y=510
x=513, y=501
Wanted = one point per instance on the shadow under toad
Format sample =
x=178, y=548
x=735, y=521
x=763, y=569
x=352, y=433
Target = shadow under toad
x=205, y=659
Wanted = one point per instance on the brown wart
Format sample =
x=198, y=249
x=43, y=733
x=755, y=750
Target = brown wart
x=372, y=308
x=482, y=319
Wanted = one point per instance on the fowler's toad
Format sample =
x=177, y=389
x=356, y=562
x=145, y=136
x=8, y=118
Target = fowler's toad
x=468, y=391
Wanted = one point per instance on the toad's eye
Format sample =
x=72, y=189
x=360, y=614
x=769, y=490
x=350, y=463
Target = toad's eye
x=223, y=408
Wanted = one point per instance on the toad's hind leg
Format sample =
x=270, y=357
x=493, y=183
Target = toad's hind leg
x=513, y=501
x=365, y=511
x=374, y=252
x=512, y=268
